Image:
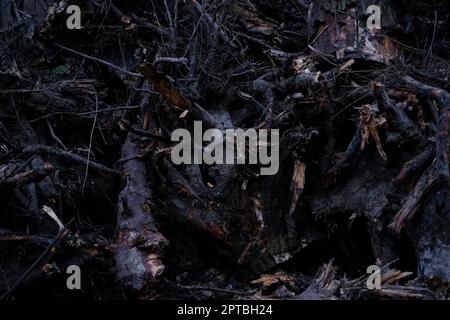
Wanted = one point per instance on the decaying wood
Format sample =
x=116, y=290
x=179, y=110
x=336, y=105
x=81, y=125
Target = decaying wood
x=402, y=122
x=363, y=172
x=177, y=99
x=139, y=246
x=442, y=141
x=414, y=166
x=163, y=86
x=413, y=202
x=34, y=175
x=343, y=163
x=47, y=150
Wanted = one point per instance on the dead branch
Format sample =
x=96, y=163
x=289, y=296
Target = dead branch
x=415, y=166
x=46, y=150
x=416, y=199
x=442, y=141
x=34, y=175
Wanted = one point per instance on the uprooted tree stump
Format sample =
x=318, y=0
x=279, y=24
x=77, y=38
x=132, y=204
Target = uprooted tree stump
x=87, y=177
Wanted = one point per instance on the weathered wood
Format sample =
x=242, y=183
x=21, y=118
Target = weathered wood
x=139, y=245
x=34, y=175
x=413, y=202
x=442, y=141
x=414, y=166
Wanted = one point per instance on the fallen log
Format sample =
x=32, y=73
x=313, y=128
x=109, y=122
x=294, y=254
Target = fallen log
x=139, y=245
